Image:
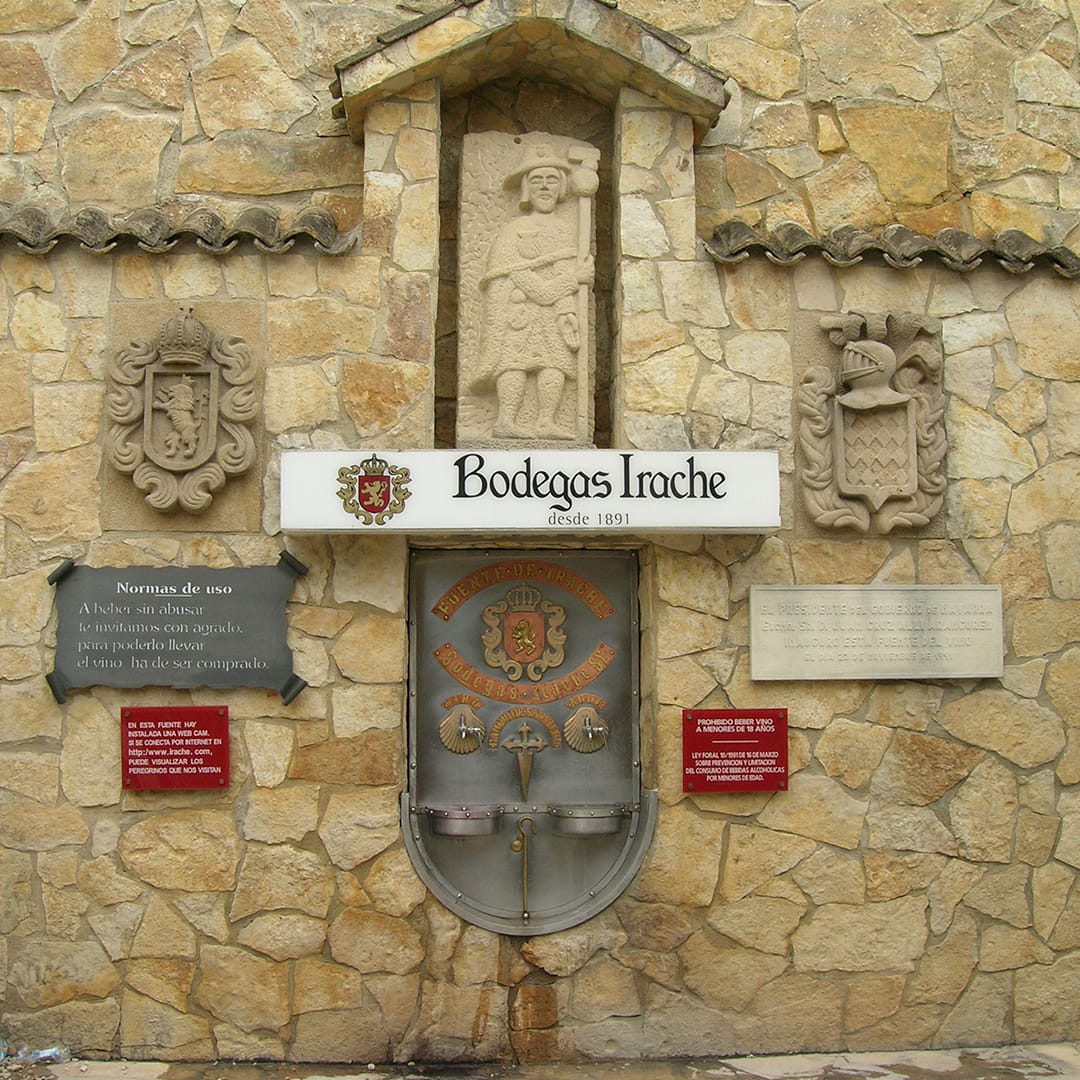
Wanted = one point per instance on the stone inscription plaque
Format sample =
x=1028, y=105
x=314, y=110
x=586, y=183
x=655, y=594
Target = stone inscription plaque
x=171, y=626
x=875, y=632
x=166, y=748
x=734, y=750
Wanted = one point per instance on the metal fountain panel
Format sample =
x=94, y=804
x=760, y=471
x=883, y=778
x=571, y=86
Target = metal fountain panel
x=524, y=812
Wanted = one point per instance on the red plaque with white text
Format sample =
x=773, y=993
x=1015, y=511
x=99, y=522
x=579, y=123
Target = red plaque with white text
x=734, y=750
x=182, y=748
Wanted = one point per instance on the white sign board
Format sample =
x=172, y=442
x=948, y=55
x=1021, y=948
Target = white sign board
x=875, y=632
x=483, y=491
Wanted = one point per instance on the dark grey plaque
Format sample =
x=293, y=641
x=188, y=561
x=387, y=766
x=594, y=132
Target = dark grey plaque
x=172, y=626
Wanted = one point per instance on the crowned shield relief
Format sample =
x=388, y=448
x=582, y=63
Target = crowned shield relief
x=525, y=812
x=871, y=430
x=180, y=406
x=524, y=634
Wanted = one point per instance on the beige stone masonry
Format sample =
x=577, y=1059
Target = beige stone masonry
x=917, y=883
x=666, y=293
x=388, y=390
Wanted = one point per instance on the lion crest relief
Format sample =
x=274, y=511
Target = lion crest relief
x=524, y=633
x=179, y=409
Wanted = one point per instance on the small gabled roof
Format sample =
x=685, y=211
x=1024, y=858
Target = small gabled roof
x=588, y=45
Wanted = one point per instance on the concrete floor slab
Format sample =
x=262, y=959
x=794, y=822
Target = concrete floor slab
x=1037, y=1062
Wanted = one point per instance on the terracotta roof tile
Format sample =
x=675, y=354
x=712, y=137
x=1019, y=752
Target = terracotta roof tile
x=897, y=245
x=151, y=229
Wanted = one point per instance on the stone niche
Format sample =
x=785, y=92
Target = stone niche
x=614, y=109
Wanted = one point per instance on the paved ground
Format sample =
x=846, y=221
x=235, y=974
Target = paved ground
x=1001, y=1063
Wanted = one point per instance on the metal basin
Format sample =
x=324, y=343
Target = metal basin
x=590, y=819
x=463, y=820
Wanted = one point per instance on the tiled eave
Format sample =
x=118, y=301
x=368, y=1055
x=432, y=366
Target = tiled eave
x=154, y=230
x=588, y=45
x=897, y=245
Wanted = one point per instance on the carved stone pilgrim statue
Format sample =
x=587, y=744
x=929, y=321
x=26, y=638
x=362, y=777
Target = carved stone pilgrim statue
x=526, y=271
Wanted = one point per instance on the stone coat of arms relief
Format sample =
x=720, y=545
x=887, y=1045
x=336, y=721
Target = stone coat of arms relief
x=179, y=410
x=526, y=269
x=872, y=433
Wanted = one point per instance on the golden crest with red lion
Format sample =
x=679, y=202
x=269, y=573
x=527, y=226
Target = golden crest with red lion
x=524, y=634
x=374, y=491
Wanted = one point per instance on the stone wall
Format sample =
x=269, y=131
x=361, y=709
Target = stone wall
x=960, y=113
x=915, y=886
